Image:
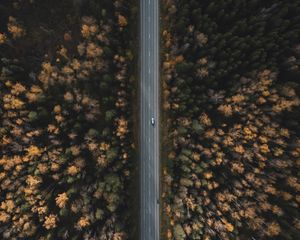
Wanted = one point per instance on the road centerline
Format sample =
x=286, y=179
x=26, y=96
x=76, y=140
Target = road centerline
x=149, y=132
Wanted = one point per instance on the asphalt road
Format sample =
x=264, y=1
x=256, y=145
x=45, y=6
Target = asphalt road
x=149, y=107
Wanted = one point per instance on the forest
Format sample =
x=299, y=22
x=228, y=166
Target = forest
x=230, y=92
x=67, y=83
x=230, y=129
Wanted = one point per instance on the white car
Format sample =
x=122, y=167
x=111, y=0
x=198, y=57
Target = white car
x=152, y=121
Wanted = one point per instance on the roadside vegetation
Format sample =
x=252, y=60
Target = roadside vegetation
x=231, y=93
x=66, y=91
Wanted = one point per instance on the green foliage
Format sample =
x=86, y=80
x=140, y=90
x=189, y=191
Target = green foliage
x=65, y=165
x=224, y=63
x=179, y=233
x=32, y=116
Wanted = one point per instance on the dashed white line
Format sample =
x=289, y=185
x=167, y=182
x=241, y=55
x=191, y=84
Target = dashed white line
x=150, y=179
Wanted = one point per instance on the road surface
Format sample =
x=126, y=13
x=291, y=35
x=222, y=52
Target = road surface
x=149, y=107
